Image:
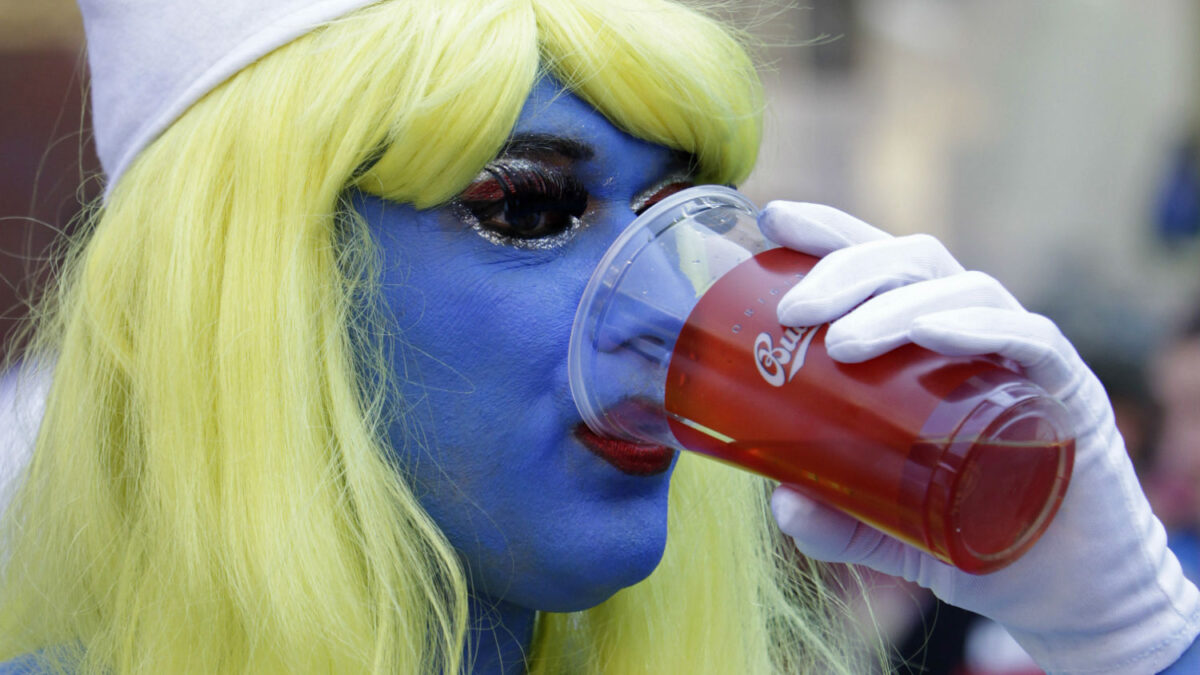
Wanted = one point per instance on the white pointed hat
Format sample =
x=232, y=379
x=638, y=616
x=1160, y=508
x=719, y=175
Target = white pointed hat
x=152, y=59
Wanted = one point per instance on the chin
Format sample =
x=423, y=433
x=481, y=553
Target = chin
x=579, y=592
x=583, y=568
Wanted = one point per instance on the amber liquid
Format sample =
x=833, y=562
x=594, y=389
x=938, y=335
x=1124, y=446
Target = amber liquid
x=872, y=439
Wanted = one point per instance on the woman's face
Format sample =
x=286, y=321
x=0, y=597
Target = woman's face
x=483, y=291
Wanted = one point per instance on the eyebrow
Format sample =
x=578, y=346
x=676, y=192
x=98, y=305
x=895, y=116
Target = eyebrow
x=533, y=143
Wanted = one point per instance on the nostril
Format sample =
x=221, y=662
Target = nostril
x=651, y=347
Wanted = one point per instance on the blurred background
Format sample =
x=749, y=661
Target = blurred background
x=1034, y=138
x=1052, y=145
x=45, y=149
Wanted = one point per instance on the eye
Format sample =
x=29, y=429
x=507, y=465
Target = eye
x=521, y=202
x=660, y=191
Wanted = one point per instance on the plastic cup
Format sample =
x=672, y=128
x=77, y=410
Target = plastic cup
x=676, y=342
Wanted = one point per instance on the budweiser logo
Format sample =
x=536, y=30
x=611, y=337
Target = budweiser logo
x=778, y=364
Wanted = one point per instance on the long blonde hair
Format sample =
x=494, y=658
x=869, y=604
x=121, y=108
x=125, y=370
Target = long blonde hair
x=211, y=491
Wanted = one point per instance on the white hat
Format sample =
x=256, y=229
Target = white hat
x=151, y=59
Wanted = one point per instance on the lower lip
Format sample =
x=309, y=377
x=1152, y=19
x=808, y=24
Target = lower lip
x=635, y=459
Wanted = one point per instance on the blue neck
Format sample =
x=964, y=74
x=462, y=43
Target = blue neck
x=499, y=637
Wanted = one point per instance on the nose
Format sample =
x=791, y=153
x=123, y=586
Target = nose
x=641, y=304
x=652, y=292
x=639, y=301
x=643, y=292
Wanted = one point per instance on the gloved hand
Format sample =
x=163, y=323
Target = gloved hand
x=1099, y=592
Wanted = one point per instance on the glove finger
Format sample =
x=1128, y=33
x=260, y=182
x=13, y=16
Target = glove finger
x=823, y=533
x=884, y=322
x=1031, y=340
x=848, y=276
x=814, y=229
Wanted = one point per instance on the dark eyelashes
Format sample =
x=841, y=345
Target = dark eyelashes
x=660, y=192
x=523, y=203
x=530, y=204
x=522, y=187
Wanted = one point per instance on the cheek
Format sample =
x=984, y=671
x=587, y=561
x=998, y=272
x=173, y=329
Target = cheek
x=482, y=394
x=482, y=349
x=496, y=337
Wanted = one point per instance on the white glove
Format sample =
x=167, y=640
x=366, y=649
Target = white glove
x=1099, y=592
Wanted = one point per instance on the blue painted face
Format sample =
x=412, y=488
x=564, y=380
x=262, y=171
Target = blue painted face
x=484, y=291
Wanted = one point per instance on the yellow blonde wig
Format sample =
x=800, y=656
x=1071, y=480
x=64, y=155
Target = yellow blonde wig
x=211, y=491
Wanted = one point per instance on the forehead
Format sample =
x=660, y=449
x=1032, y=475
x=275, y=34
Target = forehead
x=615, y=160
x=553, y=110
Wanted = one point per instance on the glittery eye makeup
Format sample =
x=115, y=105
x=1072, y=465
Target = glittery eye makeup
x=524, y=203
x=674, y=182
x=529, y=197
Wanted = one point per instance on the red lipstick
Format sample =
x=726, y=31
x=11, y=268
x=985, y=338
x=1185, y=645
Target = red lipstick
x=635, y=459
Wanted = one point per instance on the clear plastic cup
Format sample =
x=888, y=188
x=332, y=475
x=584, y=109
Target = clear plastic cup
x=676, y=342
